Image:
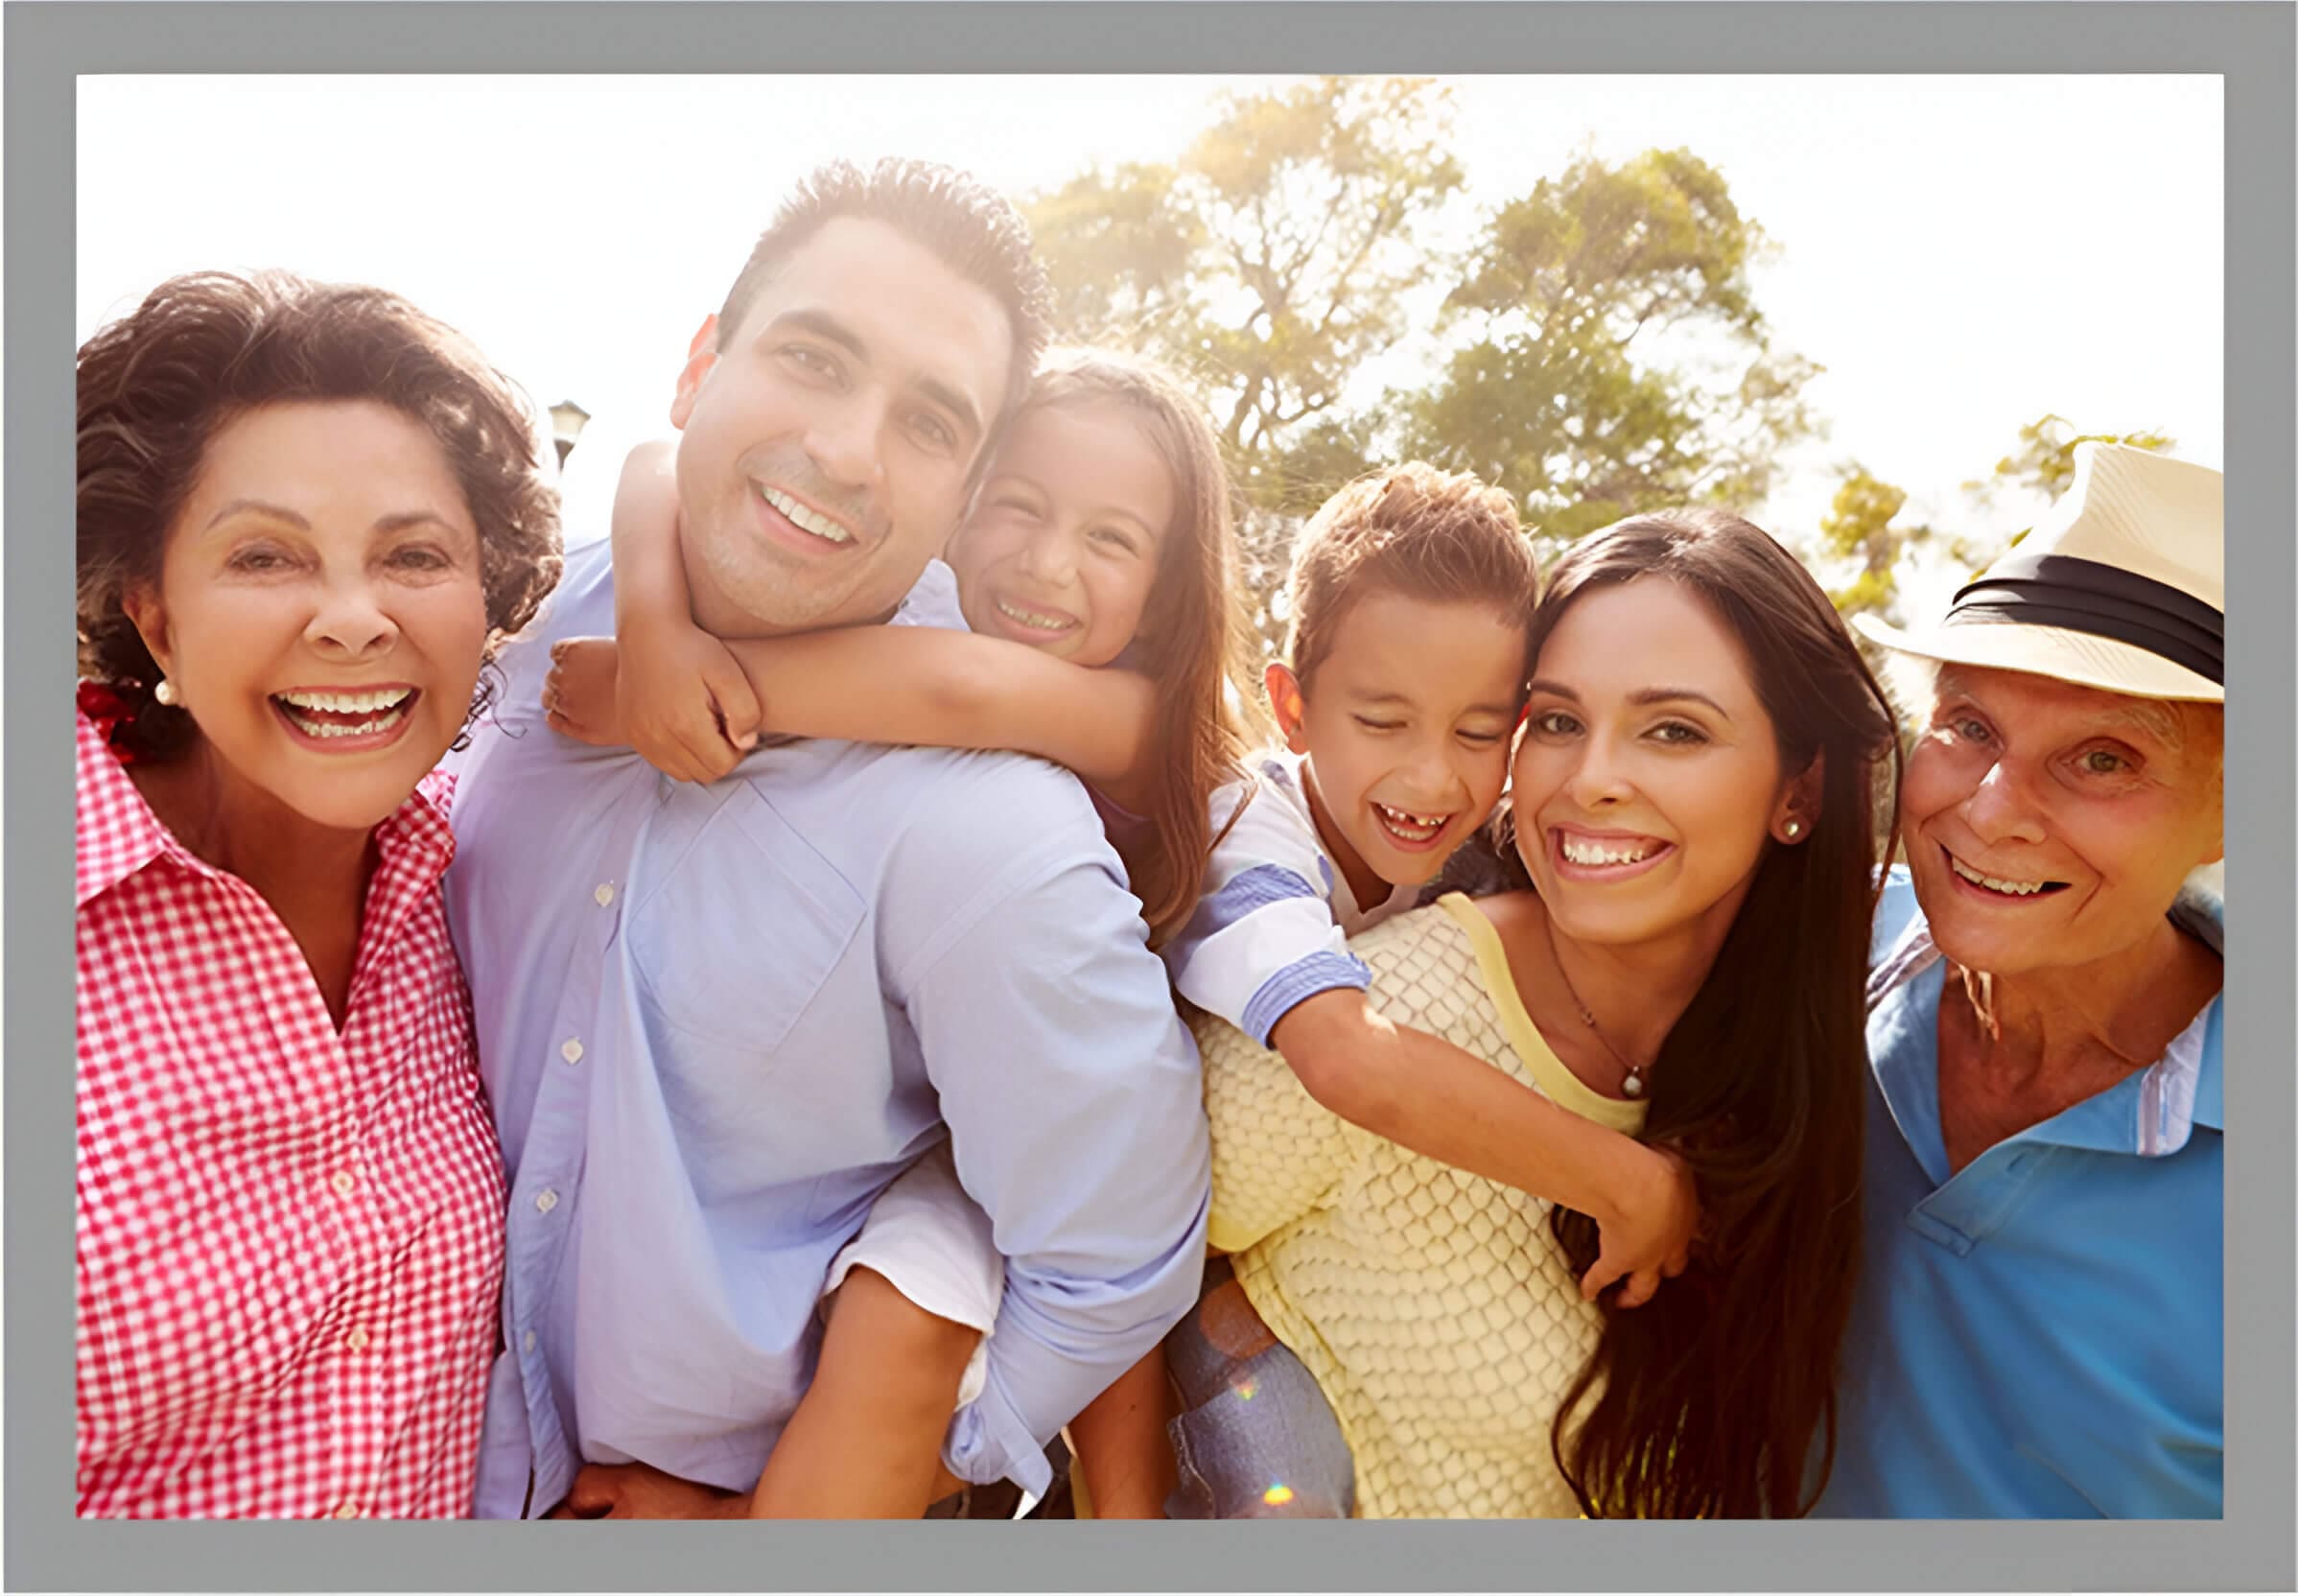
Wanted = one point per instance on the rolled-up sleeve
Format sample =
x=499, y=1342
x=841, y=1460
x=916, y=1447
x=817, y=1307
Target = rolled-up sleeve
x=1262, y=938
x=1075, y=1113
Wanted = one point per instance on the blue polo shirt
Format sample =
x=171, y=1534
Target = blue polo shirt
x=2040, y=1334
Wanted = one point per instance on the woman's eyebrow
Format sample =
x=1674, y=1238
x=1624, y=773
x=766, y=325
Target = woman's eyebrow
x=240, y=506
x=1641, y=697
x=1676, y=695
x=405, y=519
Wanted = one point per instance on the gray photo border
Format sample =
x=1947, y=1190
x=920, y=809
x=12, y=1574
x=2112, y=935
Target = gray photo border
x=2250, y=44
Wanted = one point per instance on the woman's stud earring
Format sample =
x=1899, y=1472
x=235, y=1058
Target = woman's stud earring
x=165, y=692
x=1794, y=830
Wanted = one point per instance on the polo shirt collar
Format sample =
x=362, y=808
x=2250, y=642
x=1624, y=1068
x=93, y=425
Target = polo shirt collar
x=2201, y=910
x=2112, y=1121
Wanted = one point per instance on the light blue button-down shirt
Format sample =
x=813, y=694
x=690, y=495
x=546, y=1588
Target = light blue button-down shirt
x=2039, y=1334
x=715, y=1022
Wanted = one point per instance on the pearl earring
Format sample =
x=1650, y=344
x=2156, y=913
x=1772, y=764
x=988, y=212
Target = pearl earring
x=165, y=692
x=1794, y=830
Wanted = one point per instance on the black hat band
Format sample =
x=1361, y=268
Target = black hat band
x=2104, y=600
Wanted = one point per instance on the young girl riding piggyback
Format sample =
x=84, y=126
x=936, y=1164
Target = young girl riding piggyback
x=1100, y=535
x=1096, y=574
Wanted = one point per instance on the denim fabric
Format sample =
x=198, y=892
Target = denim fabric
x=1256, y=1438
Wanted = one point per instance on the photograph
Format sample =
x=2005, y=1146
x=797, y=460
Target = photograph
x=1165, y=796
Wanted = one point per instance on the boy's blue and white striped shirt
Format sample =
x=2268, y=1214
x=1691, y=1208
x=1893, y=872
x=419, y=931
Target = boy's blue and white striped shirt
x=1272, y=922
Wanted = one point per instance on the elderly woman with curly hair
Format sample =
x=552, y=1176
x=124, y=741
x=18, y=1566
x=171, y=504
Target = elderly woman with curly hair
x=307, y=516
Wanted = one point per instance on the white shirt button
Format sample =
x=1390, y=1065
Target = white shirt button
x=356, y=1339
x=544, y=1200
x=527, y=1341
x=344, y=1183
x=346, y=1510
x=571, y=1049
x=603, y=893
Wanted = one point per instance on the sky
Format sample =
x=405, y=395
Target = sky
x=1963, y=254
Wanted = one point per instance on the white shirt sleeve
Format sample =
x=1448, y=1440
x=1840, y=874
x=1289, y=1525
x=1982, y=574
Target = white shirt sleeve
x=1263, y=937
x=933, y=601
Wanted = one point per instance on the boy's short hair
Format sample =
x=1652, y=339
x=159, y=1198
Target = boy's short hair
x=1443, y=536
x=970, y=227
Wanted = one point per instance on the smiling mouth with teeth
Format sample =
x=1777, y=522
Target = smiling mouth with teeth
x=803, y=517
x=1407, y=827
x=1585, y=851
x=1605, y=851
x=1999, y=887
x=333, y=714
x=1037, y=620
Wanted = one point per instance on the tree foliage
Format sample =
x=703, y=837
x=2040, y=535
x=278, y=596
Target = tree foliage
x=2044, y=463
x=1862, y=540
x=1270, y=263
x=1594, y=346
x=1858, y=532
x=1619, y=361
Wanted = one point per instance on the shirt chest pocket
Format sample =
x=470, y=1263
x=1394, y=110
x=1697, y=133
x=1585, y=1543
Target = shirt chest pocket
x=744, y=930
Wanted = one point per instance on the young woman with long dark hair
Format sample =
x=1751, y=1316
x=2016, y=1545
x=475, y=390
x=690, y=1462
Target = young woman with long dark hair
x=1694, y=804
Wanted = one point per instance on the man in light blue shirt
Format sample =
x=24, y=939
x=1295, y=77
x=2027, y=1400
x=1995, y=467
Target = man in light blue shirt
x=716, y=1021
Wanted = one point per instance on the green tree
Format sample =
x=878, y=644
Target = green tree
x=1619, y=361
x=2044, y=463
x=1862, y=538
x=1595, y=351
x=1280, y=253
x=1268, y=264
x=1859, y=533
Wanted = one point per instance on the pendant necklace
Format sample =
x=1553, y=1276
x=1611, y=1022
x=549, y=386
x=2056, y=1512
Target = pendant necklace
x=1631, y=1079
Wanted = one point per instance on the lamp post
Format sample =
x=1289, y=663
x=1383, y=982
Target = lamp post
x=567, y=419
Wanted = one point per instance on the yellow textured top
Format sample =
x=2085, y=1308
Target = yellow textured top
x=1432, y=1305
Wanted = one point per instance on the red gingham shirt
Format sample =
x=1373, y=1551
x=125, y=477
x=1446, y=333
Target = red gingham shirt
x=290, y=1241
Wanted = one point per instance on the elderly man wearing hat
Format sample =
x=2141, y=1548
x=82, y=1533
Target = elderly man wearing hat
x=2038, y=1331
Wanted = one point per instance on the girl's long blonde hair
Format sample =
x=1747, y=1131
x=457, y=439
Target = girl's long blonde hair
x=1191, y=640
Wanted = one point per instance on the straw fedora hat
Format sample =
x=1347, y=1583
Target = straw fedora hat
x=2120, y=586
